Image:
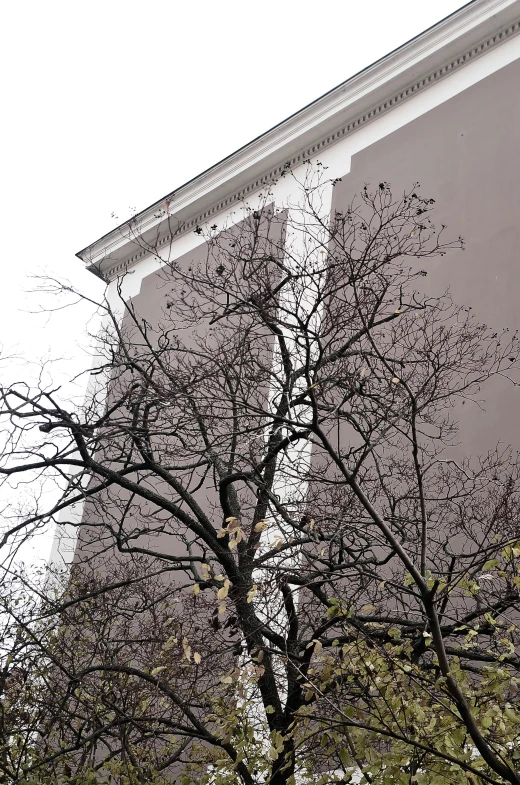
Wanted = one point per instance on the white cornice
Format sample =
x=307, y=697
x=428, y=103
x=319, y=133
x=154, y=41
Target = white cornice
x=464, y=36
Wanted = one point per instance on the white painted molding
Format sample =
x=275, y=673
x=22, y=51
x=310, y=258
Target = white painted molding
x=473, y=31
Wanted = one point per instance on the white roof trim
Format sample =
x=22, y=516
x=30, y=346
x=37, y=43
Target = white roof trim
x=449, y=45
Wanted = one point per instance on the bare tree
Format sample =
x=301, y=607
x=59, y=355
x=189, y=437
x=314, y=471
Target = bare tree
x=22, y=675
x=286, y=571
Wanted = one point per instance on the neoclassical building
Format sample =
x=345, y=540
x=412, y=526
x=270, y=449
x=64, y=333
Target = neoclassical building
x=443, y=110
x=238, y=451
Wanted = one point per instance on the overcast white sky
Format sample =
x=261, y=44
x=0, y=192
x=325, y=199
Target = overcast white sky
x=108, y=105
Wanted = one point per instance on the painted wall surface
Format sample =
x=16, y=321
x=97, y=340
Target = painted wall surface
x=465, y=154
x=179, y=444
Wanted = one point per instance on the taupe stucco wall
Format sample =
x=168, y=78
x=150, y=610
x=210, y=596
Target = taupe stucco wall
x=160, y=305
x=466, y=155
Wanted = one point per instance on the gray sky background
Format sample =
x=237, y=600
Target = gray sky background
x=108, y=106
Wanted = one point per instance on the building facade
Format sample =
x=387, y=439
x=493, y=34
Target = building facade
x=441, y=117
x=442, y=111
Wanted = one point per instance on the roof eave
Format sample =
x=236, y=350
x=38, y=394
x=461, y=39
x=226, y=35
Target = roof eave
x=450, y=37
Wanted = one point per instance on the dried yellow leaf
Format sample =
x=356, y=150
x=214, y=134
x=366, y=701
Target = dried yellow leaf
x=170, y=643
